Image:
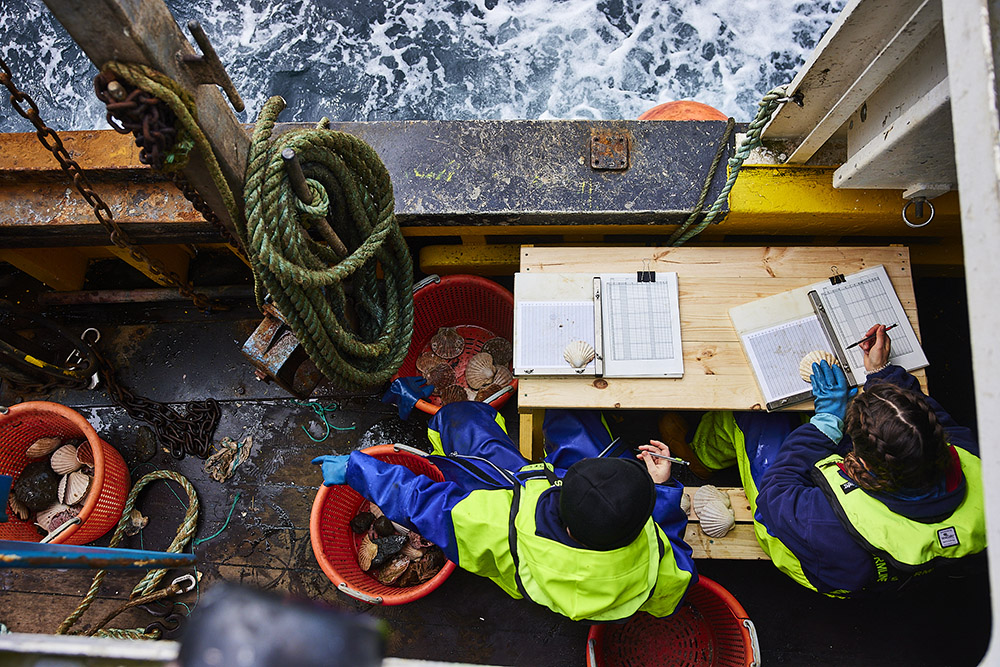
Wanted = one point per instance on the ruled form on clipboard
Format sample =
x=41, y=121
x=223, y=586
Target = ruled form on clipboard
x=634, y=327
x=777, y=331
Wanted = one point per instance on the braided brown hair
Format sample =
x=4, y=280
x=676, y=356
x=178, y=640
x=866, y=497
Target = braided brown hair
x=898, y=435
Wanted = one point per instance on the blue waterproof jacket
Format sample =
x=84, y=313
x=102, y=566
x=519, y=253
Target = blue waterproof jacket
x=796, y=511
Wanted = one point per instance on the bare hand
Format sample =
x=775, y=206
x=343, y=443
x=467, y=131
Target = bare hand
x=659, y=469
x=876, y=351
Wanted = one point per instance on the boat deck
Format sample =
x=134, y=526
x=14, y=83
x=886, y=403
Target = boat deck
x=172, y=353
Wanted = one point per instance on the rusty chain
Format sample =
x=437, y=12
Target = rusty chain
x=191, y=433
x=51, y=141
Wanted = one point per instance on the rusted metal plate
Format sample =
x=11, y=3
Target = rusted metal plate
x=277, y=355
x=608, y=150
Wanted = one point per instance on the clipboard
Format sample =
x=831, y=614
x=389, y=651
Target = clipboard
x=777, y=331
x=631, y=320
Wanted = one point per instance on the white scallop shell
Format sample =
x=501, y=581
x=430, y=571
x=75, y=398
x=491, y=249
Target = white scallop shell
x=64, y=460
x=578, y=353
x=814, y=357
x=42, y=446
x=503, y=376
x=44, y=518
x=686, y=503
x=716, y=519
x=480, y=371
x=73, y=487
x=706, y=494
x=17, y=508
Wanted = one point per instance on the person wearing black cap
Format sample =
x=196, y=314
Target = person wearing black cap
x=588, y=534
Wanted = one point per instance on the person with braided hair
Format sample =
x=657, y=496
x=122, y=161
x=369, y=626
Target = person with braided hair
x=872, y=490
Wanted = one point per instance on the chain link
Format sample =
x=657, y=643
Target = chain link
x=51, y=141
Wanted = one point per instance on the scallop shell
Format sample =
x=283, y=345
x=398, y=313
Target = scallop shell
x=578, y=353
x=391, y=572
x=487, y=391
x=374, y=509
x=503, y=376
x=428, y=360
x=44, y=518
x=64, y=460
x=453, y=394
x=366, y=552
x=73, y=487
x=500, y=349
x=716, y=519
x=17, y=508
x=411, y=551
x=136, y=522
x=706, y=494
x=42, y=446
x=440, y=377
x=686, y=503
x=479, y=371
x=814, y=357
x=448, y=343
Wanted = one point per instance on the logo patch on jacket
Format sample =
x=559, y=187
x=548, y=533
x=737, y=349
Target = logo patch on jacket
x=948, y=537
x=848, y=486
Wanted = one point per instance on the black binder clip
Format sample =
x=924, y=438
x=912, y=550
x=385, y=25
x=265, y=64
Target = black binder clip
x=836, y=278
x=646, y=275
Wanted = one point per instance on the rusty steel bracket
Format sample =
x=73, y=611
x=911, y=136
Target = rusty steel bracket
x=277, y=355
x=609, y=151
x=207, y=68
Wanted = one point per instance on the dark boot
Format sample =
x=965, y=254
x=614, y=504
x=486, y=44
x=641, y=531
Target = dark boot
x=674, y=433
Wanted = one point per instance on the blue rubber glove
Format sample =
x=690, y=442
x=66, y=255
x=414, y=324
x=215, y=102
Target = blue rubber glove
x=334, y=468
x=405, y=392
x=831, y=393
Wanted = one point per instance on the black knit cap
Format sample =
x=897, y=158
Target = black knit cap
x=606, y=502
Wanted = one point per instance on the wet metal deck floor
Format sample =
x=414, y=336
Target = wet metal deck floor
x=172, y=354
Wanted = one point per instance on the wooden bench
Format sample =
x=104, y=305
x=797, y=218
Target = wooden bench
x=738, y=544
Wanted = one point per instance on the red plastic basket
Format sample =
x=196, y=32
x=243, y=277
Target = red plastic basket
x=480, y=309
x=711, y=629
x=26, y=422
x=335, y=545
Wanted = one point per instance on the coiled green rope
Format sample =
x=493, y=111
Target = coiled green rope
x=306, y=280
x=765, y=109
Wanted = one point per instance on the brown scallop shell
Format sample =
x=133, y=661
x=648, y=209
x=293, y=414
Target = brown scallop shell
x=500, y=349
x=17, y=508
x=391, y=572
x=448, y=343
x=487, y=391
x=440, y=376
x=479, y=371
x=43, y=446
x=503, y=376
x=428, y=360
x=366, y=552
x=453, y=394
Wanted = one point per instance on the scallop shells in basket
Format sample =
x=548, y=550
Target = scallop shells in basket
x=17, y=508
x=487, y=391
x=706, y=494
x=578, y=353
x=500, y=349
x=479, y=371
x=64, y=460
x=52, y=517
x=453, y=394
x=73, y=487
x=716, y=518
x=42, y=446
x=503, y=376
x=448, y=343
x=440, y=377
x=814, y=357
x=366, y=552
x=428, y=360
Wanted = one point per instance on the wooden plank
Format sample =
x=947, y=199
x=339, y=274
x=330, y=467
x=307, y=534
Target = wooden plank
x=739, y=544
x=737, y=498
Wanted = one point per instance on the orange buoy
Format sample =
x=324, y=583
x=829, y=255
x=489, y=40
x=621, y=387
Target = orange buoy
x=683, y=110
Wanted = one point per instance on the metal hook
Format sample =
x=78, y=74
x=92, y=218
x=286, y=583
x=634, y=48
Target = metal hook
x=918, y=210
x=208, y=68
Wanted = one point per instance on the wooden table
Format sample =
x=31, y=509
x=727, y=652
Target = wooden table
x=711, y=281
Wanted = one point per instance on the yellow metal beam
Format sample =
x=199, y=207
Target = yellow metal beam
x=62, y=269
x=174, y=258
x=491, y=260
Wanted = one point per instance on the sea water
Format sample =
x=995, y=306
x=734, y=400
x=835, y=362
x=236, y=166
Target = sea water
x=452, y=59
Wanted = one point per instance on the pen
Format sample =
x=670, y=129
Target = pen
x=672, y=459
x=891, y=326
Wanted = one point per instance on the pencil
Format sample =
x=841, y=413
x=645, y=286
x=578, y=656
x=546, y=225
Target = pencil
x=672, y=459
x=891, y=326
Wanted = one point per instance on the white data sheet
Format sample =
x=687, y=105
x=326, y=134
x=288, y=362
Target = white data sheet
x=544, y=328
x=775, y=353
x=641, y=324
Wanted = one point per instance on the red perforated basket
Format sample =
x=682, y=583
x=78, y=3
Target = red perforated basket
x=480, y=309
x=26, y=422
x=711, y=629
x=335, y=545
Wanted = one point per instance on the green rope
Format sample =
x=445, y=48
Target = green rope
x=152, y=579
x=306, y=279
x=321, y=412
x=766, y=108
x=224, y=526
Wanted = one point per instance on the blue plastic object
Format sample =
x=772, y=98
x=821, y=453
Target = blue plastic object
x=830, y=389
x=404, y=392
x=37, y=555
x=5, y=481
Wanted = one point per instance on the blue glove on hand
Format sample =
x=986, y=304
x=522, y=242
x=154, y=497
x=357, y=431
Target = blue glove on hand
x=405, y=392
x=334, y=468
x=830, y=389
